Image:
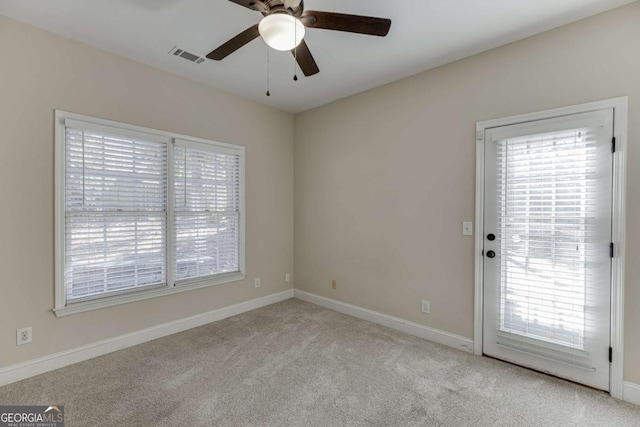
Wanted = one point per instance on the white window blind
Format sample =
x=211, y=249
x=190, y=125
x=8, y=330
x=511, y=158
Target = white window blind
x=552, y=257
x=115, y=213
x=142, y=213
x=207, y=211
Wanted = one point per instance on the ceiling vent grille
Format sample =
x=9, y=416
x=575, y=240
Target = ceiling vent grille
x=187, y=55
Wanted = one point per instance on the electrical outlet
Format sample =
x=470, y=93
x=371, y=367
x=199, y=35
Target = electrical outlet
x=426, y=306
x=333, y=284
x=24, y=336
x=256, y=282
x=467, y=229
x=287, y=277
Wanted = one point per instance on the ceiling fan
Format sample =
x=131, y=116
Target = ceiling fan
x=283, y=28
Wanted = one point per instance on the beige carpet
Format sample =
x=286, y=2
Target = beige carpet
x=297, y=364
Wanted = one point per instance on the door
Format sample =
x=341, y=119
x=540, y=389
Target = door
x=547, y=243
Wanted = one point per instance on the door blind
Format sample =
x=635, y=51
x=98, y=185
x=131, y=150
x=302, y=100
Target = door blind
x=550, y=250
x=207, y=211
x=115, y=213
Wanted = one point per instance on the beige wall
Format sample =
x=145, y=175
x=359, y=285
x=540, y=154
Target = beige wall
x=384, y=179
x=41, y=72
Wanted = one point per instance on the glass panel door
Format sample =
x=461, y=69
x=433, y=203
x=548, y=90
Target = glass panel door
x=547, y=264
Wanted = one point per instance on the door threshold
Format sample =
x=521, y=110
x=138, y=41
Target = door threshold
x=547, y=374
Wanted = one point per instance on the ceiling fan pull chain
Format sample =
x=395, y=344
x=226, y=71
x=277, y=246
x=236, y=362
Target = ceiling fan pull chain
x=268, y=93
x=295, y=52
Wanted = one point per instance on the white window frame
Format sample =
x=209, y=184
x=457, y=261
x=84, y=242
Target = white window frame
x=64, y=308
x=620, y=108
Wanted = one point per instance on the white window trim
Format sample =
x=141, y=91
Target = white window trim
x=620, y=107
x=61, y=308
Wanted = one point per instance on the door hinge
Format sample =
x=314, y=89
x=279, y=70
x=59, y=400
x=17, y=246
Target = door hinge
x=610, y=354
x=613, y=144
x=611, y=249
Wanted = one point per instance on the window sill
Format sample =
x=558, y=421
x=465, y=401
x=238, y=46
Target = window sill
x=97, y=304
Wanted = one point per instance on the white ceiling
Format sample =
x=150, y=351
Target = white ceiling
x=424, y=34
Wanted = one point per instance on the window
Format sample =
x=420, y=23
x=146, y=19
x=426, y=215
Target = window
x=206, y=212
x=142, y=213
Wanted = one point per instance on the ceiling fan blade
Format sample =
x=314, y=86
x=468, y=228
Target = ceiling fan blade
x=251, y=4
x=305, y=59
x=234, y=44
x=349, y=23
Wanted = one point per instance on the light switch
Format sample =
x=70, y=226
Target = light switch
x=467, y=229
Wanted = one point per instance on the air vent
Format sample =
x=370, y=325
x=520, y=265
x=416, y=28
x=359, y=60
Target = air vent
x=186, y=55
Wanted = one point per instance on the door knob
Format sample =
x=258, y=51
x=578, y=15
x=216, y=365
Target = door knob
x=491, y=237
x=491, y=254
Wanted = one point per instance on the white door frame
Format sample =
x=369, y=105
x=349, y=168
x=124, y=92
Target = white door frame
x=619, y=106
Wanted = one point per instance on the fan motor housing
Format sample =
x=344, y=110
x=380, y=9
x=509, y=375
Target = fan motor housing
x=278, y=6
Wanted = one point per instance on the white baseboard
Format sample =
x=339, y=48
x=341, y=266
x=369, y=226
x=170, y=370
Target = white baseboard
x=632, y=393
x=44, y=364
x=411, y=328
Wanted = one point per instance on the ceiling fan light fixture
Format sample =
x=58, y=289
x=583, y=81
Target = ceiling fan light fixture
x=281, y=31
